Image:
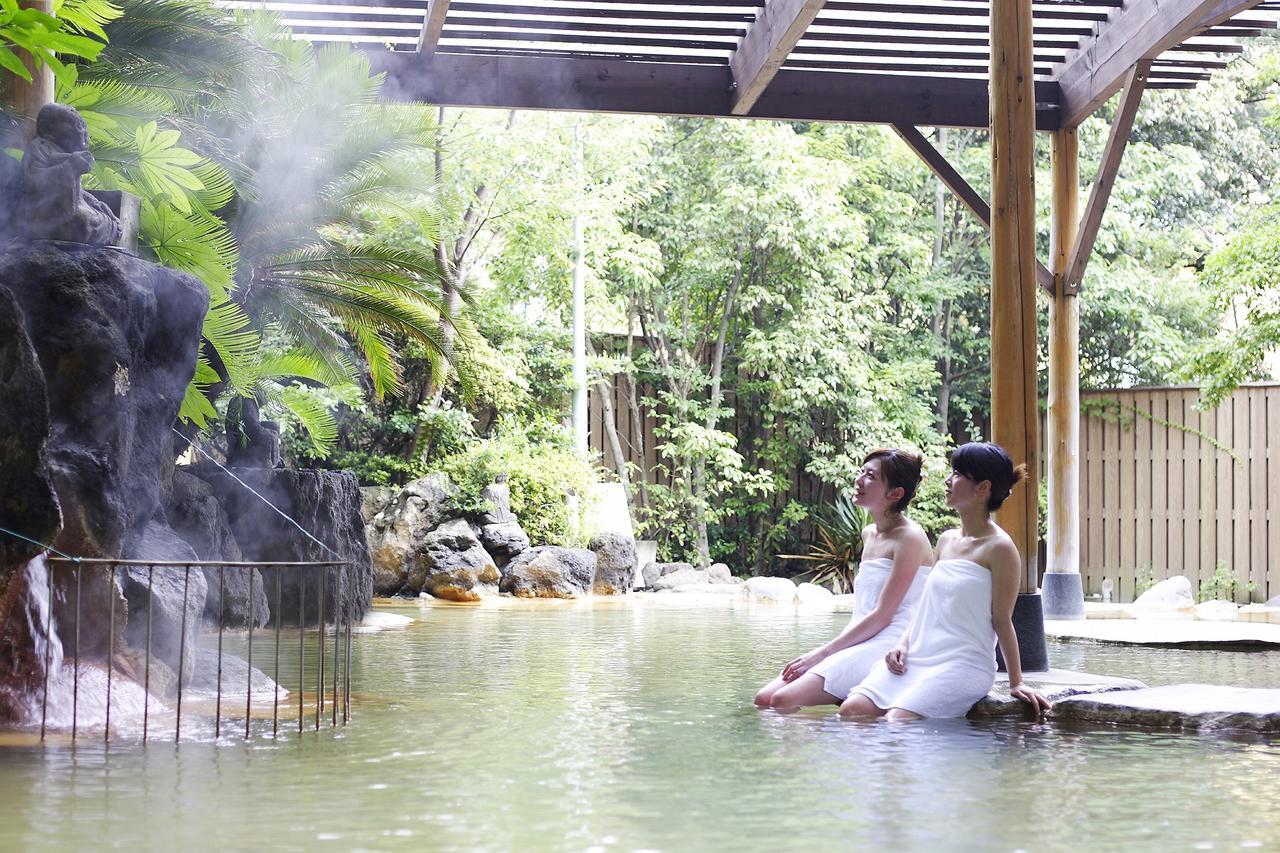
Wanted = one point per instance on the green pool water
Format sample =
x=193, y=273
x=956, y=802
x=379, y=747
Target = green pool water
x=629, y=726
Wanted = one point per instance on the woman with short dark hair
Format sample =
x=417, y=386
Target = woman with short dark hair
x=945, y=662
x=890, y=578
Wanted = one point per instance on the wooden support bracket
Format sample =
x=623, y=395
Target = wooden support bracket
x=954, y=181
x=1134, y=84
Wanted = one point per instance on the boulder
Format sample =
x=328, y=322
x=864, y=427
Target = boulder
x=1170, y=594
x=28, y=504
x=650, y=574
x=615, y=563
x=196, y=516
x=325, y=504
x=779, y=590
x=235, y=676
x=374, y=499
x=682, y=577
x=176, y=597
x=504, y=540
x=452, y=564
x=719, y=573
x=668, y=568
x=813, y=594
x=1217, y=611
x=397, y=531
x=549, y=571
x=116, y=338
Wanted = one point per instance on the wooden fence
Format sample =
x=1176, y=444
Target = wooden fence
x=1166, y=489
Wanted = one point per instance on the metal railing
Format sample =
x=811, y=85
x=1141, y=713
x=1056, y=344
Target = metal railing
x=339, y=572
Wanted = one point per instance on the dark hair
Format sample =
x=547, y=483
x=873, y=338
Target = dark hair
x=981, y=460
x=901, y=469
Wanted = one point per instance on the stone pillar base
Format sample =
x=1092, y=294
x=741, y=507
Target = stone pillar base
x=1063, y=594
x=1028, y=624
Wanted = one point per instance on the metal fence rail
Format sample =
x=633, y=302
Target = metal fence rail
x=339, y=679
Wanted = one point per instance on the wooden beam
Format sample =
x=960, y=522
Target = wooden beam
x=618, y=86
x=432, y=25
x=765, y=47
x=954, y=181
x=1141, y=30
x=1063, y=421
x=1015, y=415
x=1134, y=85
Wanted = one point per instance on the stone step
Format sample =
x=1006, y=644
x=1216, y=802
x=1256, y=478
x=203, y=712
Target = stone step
x=1054, y=685
x=1190, y=707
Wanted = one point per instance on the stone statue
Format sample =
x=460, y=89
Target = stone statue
x=53, y=205
x=10, y=192
x=251, y=441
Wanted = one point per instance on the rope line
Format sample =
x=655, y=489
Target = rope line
x=279, y=511
x=41, y=544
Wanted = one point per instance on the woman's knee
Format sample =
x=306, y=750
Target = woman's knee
x=902, y=715
x=859, y=706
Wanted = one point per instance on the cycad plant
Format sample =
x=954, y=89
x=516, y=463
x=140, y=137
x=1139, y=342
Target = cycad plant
x=263, y=163
x=838, y=546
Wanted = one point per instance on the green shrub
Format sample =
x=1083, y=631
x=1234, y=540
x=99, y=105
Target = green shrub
x=1223, y=586
x=541, y=469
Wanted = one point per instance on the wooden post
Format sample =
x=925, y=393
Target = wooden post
x=1014, y=417
x=1063, y=591
x=22, y=97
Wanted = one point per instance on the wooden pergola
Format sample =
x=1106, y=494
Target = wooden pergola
x=1012, y=66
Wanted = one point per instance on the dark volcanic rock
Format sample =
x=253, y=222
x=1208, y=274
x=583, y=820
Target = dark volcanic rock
x=326, y=504
x=549, y=571
x=116, y=338
x=195, y=515
x=399, y=528
x=451, y=564
x=504, y=540
x=176, y=595
x=615, y=563
x=28, y=504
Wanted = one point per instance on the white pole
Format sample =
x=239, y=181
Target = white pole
x=580, y=426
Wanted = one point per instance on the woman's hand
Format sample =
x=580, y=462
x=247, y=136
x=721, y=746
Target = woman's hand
x=1028, y=694
x=896, y=660
x=799, y=666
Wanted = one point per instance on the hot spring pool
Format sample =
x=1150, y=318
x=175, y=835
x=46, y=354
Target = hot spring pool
x=628, y=725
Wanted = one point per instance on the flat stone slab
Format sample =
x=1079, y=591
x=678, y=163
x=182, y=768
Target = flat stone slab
x=1054, y=685
x=1193, y=707
x=1171, y=633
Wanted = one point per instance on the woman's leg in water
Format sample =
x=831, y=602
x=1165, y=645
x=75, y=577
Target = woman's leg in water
x=858, y=705
x=808, y=689
x=902, y=715
x=789, y=695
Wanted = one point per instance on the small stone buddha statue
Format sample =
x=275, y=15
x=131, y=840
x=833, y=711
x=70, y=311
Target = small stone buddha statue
x=54, y=206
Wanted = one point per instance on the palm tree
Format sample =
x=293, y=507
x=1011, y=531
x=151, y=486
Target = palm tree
x=299, y=162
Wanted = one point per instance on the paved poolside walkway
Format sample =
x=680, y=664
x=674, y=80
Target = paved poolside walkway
x=1173, y=633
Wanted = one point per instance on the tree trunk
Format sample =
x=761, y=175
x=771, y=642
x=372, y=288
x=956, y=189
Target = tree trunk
x=605, y=388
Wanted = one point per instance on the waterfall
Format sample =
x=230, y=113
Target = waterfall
x=85, y=700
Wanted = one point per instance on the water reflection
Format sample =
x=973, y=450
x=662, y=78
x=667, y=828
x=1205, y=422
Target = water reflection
x=629, y=726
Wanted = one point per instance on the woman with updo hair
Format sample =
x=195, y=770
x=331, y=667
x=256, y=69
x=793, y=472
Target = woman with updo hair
x=945, y=662
x=891, y=576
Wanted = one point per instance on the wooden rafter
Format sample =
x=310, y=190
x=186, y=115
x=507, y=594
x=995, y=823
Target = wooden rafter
x=954, y=181
x=1140, y=31
x=1082, y=248
x=432, y=25
x=765, y=47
